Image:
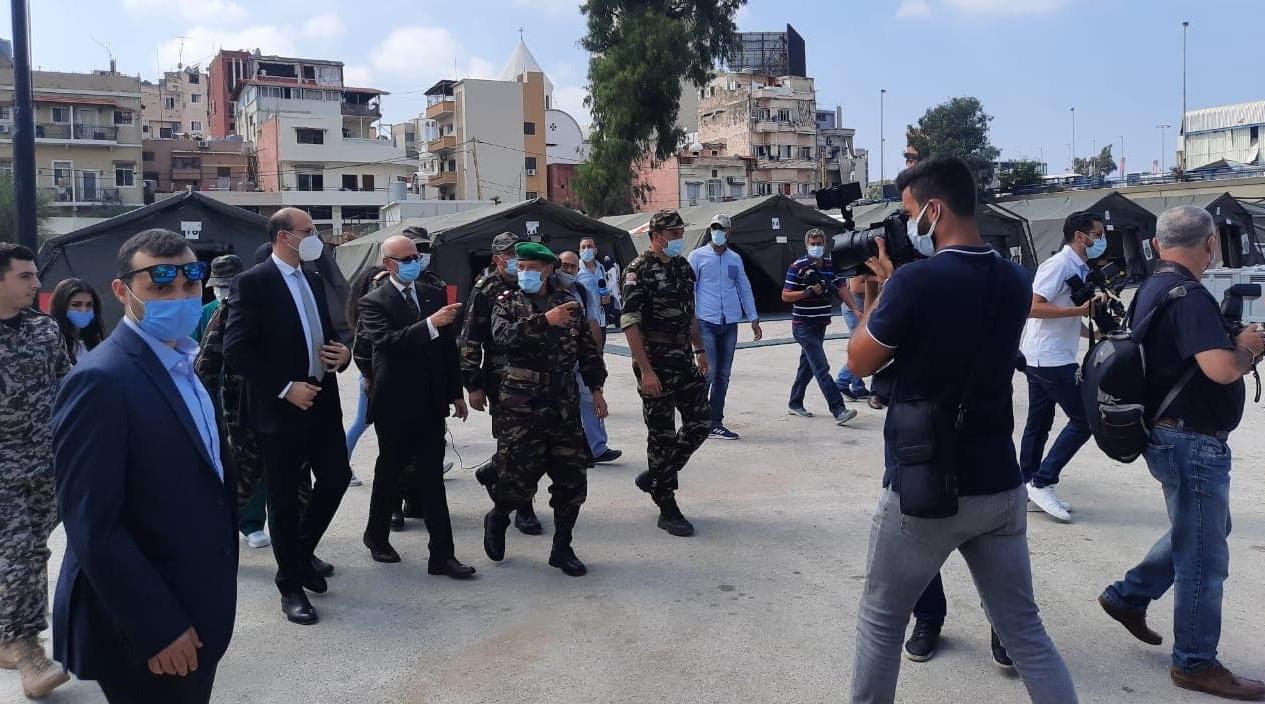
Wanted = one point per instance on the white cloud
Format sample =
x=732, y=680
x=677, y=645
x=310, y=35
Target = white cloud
x=189, y=10
x=358, y=76
x=200, y=44
x=570, y=99
x=326, y=26
x=913, y=8
x=423, y=54
x=1006, y=7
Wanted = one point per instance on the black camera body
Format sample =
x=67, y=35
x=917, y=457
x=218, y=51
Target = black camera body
x=1232, y=306
x=850, y=249
x=1109, y=280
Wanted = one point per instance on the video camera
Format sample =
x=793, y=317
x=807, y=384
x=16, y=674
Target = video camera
x=1109, y=280
x=1232, y=317
x=850, y=249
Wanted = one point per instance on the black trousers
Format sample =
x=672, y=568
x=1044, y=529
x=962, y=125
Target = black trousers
x=143, y=687
x=417, y=441
x=320, y=443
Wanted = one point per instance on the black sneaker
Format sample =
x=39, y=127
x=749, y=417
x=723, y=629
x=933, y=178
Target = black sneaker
x=1000, y=658
x=922, y=643
x=720, y=432
x=671, y=520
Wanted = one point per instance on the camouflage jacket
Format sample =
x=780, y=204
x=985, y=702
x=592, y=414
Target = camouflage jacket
x=479, y=352
x=532, y=345
x=223, y=386
x=33, y=362
x=658, y=297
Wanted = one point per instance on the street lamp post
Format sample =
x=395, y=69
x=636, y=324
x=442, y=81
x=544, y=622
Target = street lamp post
x=1161, y=128
x=1072, y=146
x=882, y=142
x=1185, y=26
x=1122, y=164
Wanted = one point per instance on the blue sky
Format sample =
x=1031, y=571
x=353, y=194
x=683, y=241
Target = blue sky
x=1117, y=61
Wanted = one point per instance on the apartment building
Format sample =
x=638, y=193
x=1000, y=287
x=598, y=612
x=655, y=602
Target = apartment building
x=772, y=120
x=699, y=173
x=176, y=106
x=87, y=137
x=838, y=158
x=175, y=165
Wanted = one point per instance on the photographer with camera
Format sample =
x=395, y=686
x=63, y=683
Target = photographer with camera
x=1188, y=350
x=949, y=325
x=810, y=285
x=1050, y=344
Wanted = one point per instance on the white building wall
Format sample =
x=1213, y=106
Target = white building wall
x=492, y=112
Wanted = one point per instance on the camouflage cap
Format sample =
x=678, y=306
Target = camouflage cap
x=534, y=251
x=720, y=220
x=224, y=268
x=666, y=220
x=504, y=241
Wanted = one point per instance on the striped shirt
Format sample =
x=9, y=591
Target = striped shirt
x=813, y=310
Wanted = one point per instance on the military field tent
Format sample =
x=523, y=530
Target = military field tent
x=766, y=231
x=1130, y=227
x=1234, y=222
x=463, y=241
x=1256, y=209
x=211, y=227
x=1002, y=229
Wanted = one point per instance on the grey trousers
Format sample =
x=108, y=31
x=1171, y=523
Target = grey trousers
x=904, y=555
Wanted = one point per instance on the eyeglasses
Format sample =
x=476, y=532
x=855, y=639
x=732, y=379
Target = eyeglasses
x=162, y=274
x=407, y=260
x=910, y=157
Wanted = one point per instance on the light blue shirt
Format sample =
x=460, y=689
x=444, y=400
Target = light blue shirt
x=722, y=292
x=588, y=280
x=178, y=362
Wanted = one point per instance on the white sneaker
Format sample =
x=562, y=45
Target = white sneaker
x=1048, y=501
x=355, y=481
x=258, y=539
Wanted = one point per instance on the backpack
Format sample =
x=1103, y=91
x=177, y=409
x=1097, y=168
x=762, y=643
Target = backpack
x=1113, y=383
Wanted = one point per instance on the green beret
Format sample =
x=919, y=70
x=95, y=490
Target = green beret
x=534, y=251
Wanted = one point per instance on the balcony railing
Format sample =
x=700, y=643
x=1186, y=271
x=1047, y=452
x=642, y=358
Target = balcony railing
x=445, y=143
x=79, y=194
x=362, y=110
x=65, y=130
x=441, y=108
x=447, y=178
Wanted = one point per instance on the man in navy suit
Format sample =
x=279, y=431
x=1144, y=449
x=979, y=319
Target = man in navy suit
x=148, y=588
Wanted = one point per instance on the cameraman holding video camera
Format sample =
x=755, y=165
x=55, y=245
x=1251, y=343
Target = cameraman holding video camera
x=949, y=325
x=1194, y=384
x=1050, y=345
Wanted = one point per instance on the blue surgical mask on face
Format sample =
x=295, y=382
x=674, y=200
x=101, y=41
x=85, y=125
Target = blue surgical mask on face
x=925, y=244
x=588, y=255
x=409, y=271
x=815, y=251
x=170, y=320
x=530, y=281
x=511, y=266
x=1096, y=249
x=719, y=237
x=674, y=247
x=81, y=318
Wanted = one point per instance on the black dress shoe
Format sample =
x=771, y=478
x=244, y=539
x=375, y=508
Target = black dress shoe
x=381, y=553
x=494, y=525
x=526, y=522
x=321, y=567
x=315, y=583
x=397, y=521
x=411, y=511
x=568, y=563
x=608, y=456
x=451, y=567
x=298, y=609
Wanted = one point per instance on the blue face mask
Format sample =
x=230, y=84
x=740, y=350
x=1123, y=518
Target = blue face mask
x=511, y=267
x=674, y=247
x=409, y=271
x=719, y=238
x=1097, y=248
x=530, y=281
x=588, y=255
x=170, y=320
x=81, y=318
x=816, y=250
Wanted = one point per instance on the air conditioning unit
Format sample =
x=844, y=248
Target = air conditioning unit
x=531, y=172
x=4, y=129
x=202, y=144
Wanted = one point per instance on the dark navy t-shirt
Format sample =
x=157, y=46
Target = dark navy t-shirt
x=932, y=313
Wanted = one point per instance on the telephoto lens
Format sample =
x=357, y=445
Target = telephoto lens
x=850, y=249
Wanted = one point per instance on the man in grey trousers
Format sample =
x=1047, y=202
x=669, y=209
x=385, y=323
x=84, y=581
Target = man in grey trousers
x=961, y=291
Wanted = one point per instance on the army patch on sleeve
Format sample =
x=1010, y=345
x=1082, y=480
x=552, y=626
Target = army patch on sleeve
x=630, y=278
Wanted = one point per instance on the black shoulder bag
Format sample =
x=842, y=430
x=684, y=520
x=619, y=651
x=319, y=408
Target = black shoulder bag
x=924, y=435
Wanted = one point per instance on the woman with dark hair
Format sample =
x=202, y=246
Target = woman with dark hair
x=76, y=307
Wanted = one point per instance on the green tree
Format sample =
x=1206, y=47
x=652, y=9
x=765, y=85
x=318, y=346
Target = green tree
x=957, y=128
x=1020, y=173
x=9, y=212
x=1095, y=166
x=641, y=50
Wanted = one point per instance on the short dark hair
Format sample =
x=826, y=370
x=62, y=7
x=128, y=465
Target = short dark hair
x=1079, y=221
x=946, y=178
x=279, y=221
x=155, y=242
x=10, y=251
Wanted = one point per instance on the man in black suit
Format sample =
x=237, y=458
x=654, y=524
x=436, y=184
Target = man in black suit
x=414, y=377
x=280, y=339
x=148, y=588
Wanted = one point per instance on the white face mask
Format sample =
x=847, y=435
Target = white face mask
x=310, y=247
x=221, y=293
x=925, y=245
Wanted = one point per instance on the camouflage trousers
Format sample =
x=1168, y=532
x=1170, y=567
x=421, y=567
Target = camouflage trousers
x=249, y=461
x=28, y=515
x=537, y=437
x=667, y=448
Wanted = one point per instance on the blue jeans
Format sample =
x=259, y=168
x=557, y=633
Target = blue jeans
x=1194, y=471
x=719, y=341
x=845, y=379
x=1046, y=387
x=594, y=428
x=813, y=364
x=360, y=423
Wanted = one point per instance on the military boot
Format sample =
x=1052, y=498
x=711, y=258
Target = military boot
x=670, y=518
x=562, y=556
x=495, y=524
x=39, y=674
x=485, y=474
x=525, y=520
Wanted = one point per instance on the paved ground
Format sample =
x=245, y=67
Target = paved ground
x=760, y=606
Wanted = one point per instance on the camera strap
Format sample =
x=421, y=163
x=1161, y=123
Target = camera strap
x=1138, y=332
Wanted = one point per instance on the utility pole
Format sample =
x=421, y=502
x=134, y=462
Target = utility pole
x=27, y=227
x=882, y=142
x=478, y=183
x=1122, y=171
x=1161, y=128
x=1072, y=146
x=1181, y=130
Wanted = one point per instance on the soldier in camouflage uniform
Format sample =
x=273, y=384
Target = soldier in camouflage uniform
x=33, y=362
x=481, y=359
x=543, y=337
x=659, y=324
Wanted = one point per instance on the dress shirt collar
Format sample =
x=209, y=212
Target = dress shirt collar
x=1075, y=259
x=184, y=350
x=399, y=286
x=282, y=266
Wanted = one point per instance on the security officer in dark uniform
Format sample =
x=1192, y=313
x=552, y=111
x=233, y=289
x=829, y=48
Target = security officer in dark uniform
x=669, y=362
x=481, y=359
x=543, y=334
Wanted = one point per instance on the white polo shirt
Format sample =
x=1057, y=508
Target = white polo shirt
x=1053, y=342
